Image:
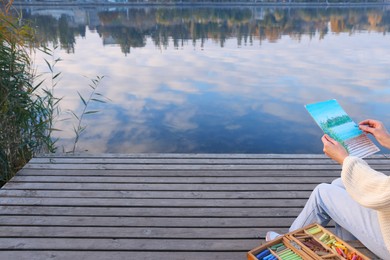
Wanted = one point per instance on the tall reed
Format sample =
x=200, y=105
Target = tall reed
x=24, y=115
x=93, y=96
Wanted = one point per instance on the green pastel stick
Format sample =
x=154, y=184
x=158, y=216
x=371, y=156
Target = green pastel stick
x=287, y=254
x=294, y=256
x=281, y=248
x=324, y=237
x=314, y=231
x=284, y=250
x=275, y=247
x=289, y=257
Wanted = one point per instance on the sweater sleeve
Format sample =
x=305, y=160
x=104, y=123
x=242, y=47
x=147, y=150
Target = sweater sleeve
x=368, y=187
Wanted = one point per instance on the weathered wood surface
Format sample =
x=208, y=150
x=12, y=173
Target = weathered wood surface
x=156, y=206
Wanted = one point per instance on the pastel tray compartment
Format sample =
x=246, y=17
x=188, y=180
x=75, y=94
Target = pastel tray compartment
x=318, y=235
x=293, y=239
x=318, y=250
x=285, y=240
x=252, y=254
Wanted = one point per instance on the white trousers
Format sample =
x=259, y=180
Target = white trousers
x=353, y=221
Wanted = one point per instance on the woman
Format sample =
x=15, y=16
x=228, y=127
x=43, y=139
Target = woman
x=358, y=202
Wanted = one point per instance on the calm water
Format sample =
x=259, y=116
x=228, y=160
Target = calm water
x=344, y=130
x=215, y=80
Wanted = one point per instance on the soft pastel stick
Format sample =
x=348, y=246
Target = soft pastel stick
x=269, y=257
x=275, y=247
x=295, y=257
x=314, y=231
x=286, y=254
x=263, y=254
x=324, y=237
x=284, y=251
x=280, y=248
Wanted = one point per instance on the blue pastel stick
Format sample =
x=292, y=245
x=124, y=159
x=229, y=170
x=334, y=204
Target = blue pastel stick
x=269, y=257
x=263, y=254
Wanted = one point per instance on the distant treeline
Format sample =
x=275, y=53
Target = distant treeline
x=113, y=2
x=335, y=121
x=130, y=27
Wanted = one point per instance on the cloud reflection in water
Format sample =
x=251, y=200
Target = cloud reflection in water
x=232, y=100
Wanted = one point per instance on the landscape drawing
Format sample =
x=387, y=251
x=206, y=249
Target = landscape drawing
x=335, y=122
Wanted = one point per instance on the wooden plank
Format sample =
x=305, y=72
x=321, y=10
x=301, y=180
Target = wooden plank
x=190, y=179
x=128, y=244
x=109, y=255
x=206, y=161
x=183, y=161
x=281, y=194
x=177, y=173
x=151, y=212
x=145, y=255
x=197, y=155
x=199, y=167
x=119, y=202
x=160, y=186
x=111, y=221
x=136, y=232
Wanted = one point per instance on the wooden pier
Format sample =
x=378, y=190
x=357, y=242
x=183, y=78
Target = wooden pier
x=156, y=206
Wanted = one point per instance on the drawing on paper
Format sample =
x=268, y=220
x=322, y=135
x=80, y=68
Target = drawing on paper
x=335, y=122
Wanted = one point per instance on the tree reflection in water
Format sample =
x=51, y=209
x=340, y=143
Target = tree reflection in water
x=225, y=80
x=129, y=27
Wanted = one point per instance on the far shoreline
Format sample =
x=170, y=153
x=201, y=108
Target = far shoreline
x=57, y=3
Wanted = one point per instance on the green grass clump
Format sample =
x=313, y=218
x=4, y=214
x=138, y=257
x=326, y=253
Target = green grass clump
x=24, y=114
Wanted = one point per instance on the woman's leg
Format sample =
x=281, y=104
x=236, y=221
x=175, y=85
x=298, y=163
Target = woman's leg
x=338, y=182
x=331, y=201
x=339, y=230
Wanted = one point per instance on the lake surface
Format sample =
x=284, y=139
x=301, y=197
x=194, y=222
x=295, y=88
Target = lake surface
x=213, y=80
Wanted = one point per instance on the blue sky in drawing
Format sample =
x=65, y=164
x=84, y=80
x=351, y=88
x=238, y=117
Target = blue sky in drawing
x=322, y=111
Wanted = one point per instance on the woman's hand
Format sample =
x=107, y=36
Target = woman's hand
x=377, y=129
x=334, y=149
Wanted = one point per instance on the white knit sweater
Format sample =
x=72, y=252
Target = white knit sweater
x=369, y=188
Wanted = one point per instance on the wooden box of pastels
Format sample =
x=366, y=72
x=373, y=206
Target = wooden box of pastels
x=310, y=242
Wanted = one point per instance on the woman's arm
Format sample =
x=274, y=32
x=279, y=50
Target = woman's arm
x=334, y=149
x=377, y=129
x=368, y=187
